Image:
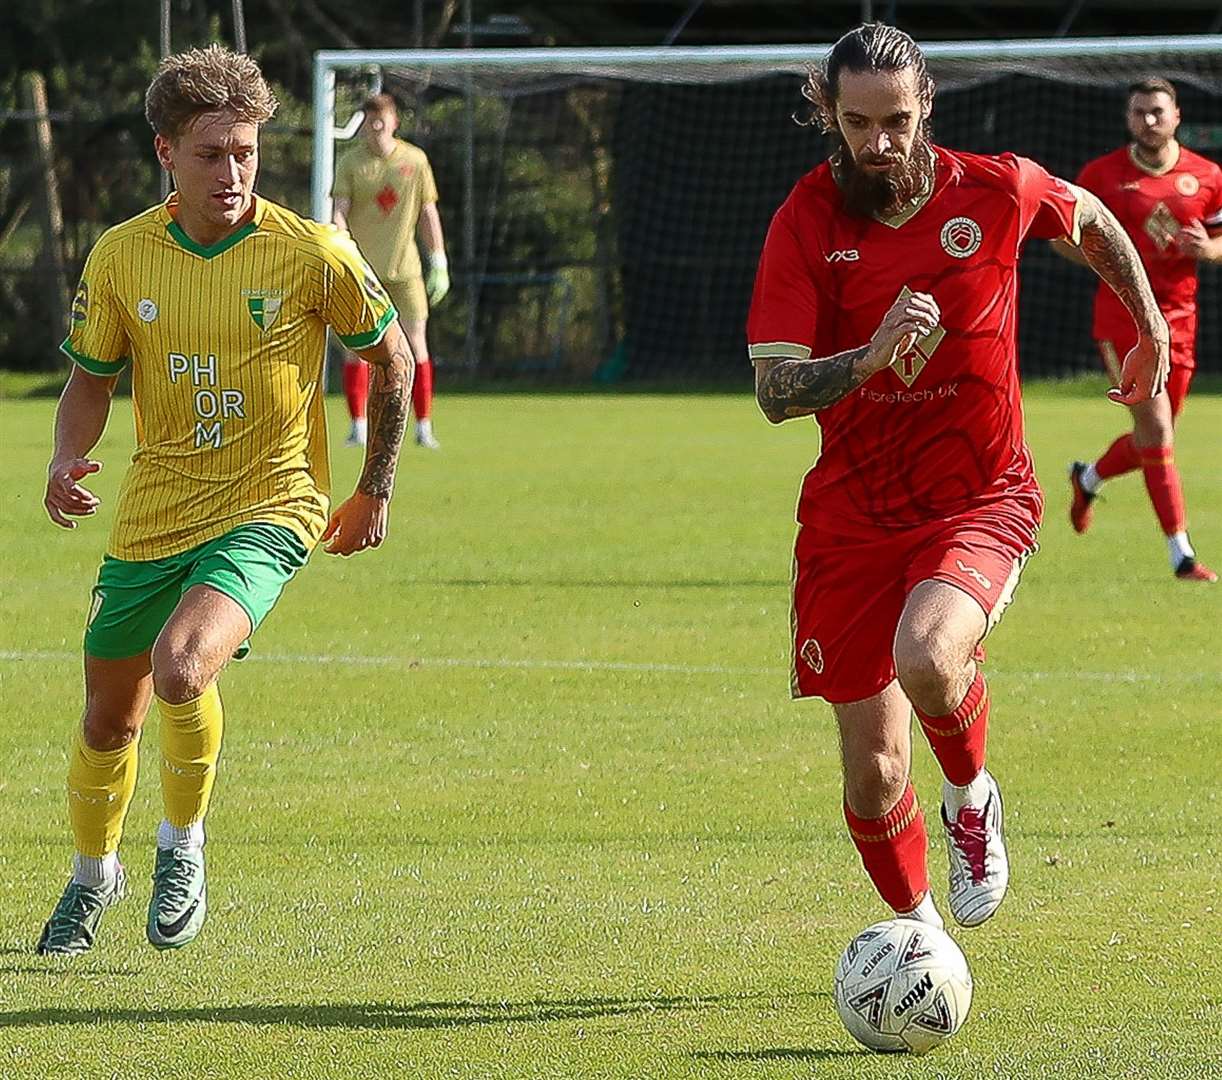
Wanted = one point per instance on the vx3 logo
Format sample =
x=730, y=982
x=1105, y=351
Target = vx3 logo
x=845, y=255
x=972, y=572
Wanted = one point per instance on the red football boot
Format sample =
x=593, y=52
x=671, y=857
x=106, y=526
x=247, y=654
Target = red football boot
x=1080, y=511
x=1191, y=570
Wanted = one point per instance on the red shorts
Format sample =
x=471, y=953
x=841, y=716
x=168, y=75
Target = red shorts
x=1183, y=357
x=849, y=594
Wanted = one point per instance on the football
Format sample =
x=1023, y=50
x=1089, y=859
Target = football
x=902, y=985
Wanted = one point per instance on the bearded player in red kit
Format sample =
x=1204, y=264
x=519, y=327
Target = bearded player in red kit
x=885, y=306
x=1170, y=202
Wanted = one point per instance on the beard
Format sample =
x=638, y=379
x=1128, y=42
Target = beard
x=1153, y=140
x=882, y=194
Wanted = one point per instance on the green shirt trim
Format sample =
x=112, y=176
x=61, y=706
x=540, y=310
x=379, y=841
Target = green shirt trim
x=364, y=341
x=184, y=241
x=94, y=367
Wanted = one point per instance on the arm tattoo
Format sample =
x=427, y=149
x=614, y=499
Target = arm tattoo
x=789, y=388
x=390, y=387
x=1111, y=254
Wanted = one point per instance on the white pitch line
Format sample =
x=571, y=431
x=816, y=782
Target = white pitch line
x=1128, y=677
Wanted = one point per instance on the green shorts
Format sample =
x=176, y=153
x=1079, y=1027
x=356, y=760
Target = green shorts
x=133, y=600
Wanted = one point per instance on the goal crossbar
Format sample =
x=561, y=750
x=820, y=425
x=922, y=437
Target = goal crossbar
x=678, y=64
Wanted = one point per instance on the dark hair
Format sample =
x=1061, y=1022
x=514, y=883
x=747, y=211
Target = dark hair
x=1152, y=85
x=871, y=47
x=380, y=103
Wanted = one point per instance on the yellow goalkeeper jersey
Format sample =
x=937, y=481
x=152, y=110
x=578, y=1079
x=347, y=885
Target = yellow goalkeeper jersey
x=226, y=347
x=387, y=195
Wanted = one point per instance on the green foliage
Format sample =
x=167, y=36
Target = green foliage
x=522, y=794
x=97, y=59
x=538, y=239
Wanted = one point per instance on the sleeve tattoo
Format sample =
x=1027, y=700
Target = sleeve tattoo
x=390, y=387
x=789, y=388
x=1111, y=254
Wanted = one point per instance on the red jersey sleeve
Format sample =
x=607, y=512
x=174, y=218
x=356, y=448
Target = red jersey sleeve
x=785, y=303
x=1048, y=206
x=1213, y=209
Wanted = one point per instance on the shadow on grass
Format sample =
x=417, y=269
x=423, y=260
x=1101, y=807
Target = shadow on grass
x=373, y=1015
x=53, y=967
x=776, y=1053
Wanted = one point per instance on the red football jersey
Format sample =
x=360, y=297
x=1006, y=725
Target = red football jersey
x=1153, y=207
x=940, y=431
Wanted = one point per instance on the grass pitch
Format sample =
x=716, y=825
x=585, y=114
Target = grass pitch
x=523, y=795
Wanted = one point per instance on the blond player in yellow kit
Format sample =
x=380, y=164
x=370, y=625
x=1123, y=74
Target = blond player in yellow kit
x=384, y=193
x=219, y=301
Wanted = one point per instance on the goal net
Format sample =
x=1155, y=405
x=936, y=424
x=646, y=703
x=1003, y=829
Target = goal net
x=604, y=208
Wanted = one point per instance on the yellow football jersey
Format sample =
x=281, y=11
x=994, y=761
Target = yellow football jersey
x=226, y=345
x=387, y=195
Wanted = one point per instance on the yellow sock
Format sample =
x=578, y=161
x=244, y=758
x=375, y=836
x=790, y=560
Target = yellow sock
x=190, y=746
x=100, y=788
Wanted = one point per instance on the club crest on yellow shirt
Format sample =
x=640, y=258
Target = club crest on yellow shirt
x=264, y=306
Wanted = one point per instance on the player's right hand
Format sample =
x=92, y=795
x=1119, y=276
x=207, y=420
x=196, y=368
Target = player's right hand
x=1144, y=373
x=910, y=317
x=65, y=497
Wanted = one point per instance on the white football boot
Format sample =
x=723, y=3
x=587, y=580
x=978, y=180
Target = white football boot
x=979, y=868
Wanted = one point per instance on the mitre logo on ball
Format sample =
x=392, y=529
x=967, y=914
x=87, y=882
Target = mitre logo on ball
x=961, y=237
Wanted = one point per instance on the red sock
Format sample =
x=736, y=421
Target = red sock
x=958, y=740
x=356, y=387
x=1163, y=484
x=422, y=389
x=1119, y=458
x=892, y=849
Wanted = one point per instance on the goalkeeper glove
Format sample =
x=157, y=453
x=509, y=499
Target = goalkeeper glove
x=437, y=279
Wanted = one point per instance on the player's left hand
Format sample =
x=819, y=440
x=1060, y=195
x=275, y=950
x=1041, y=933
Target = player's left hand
x=359, y=522
x=1193, y=240
x=437, y=279
x=1144, y=373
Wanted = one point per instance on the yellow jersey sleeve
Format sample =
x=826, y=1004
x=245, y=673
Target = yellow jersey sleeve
x=97, y=339
x=355, y=305
x=428, y=186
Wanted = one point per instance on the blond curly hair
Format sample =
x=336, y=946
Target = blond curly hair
x=189, y=84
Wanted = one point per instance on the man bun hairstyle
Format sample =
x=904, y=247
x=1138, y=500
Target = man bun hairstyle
x=189, y=84
x=871, y=47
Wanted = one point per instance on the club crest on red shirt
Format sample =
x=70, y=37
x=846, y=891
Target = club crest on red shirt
x=1187, y=185
x=961, y=237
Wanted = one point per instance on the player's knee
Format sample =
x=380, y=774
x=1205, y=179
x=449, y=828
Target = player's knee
x=110, y=727
x=1155, y=432
x=1154, y=424
x=874, y=783
x=178, y=672
x=928, y=664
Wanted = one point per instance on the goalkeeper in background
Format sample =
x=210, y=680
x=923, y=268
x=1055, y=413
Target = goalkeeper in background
x=1169, y=201
x=384, y=191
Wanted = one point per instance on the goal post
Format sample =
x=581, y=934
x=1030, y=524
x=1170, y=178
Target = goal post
x=604, y=207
